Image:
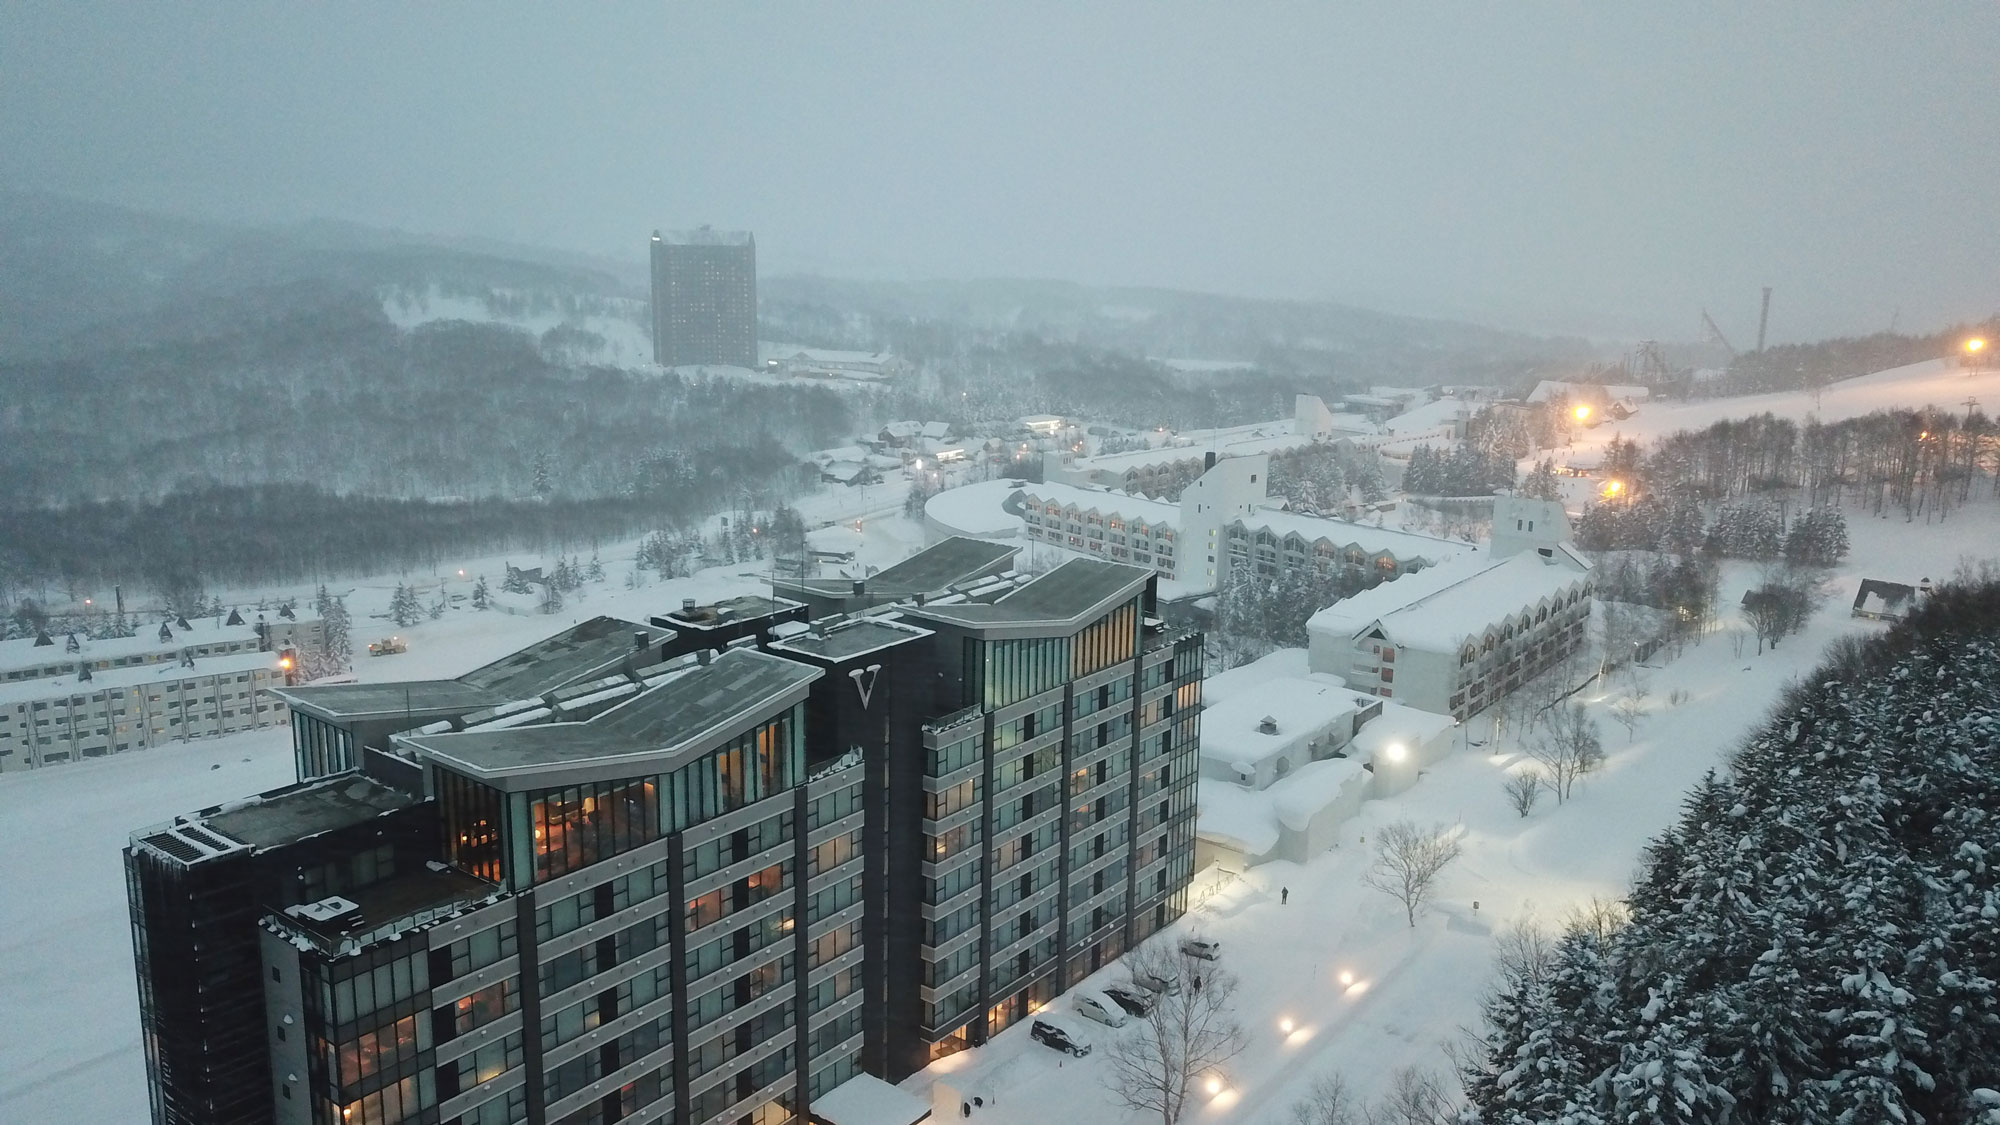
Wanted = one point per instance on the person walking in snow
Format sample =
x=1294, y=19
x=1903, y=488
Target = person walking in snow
x=1284, y=895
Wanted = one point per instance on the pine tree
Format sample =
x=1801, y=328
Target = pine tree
x=403, y=607
x=552, y=599
x=482, y=598
x=1373, y=489
x=437, y=607
x=596, y=571
x=1541, y=484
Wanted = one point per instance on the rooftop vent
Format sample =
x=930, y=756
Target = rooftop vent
x=639, y=640
x=687, y=605
x=860, y=587
x=1267, y=725
x=326, y=910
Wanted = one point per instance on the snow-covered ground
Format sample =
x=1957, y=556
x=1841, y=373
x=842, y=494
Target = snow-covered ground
x=1415, y=990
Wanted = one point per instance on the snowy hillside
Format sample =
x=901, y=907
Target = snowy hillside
x=1938, y=383
x=617, y=338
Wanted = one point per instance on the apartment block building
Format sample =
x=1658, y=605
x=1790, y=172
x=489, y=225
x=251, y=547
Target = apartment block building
x=594, y=882
x=1455, y=639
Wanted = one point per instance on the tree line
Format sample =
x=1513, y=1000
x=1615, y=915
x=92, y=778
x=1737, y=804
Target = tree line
x=1812, y=940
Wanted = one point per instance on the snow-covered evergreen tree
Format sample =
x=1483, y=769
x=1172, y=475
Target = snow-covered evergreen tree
x=403, y=607
x=482, y=598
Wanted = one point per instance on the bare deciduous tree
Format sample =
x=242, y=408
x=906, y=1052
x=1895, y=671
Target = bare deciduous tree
x=1567, y=750
x=1416, y=1097
x=1629, y=710
x=1327, y=1102
x=1600, y=917
x=1522, y=790
x=1522, y=951
x=1187, y=1036
x=1407, y=861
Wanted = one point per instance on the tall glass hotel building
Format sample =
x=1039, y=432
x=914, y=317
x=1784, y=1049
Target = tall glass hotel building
x=627, y=876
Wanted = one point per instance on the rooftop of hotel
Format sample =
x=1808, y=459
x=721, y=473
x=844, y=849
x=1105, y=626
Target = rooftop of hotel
x=729, y=611
x=403, y=901
x=685, y=711
x=845, y=640
x=274, y=819
x=582, y=652
x=1071, y=593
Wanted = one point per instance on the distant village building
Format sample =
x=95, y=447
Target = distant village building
x=1153, y=470
x=828, y=363
x=1877, y=600
x=182, y=680
x=1454, y=639
x=1221, y=521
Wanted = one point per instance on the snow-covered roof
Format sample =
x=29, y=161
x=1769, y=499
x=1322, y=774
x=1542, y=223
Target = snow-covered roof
x=832, y=355
x=22, y=652
x=164, y=672
x=867, y=1100
x=1439, y=607
x=977, y=509
x=1302, y=706
x=1239, y=817
x=1297, y=799
x=840, y=453
x=1405, y=545
x=937, y=430
x=1551, y=388
x=1397, y=724
x=903, y=429
x=1106, y=502
x=1428, y=417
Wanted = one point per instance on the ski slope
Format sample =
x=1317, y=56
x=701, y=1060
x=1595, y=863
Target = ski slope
x=1937, y=383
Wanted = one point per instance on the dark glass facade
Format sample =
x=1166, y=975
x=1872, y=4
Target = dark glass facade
x=320, y=748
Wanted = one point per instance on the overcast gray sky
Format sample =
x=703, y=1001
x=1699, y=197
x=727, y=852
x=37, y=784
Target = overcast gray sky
x=1580, y=167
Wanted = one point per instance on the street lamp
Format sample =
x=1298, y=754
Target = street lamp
x=1975, y=352
x=1582, y=413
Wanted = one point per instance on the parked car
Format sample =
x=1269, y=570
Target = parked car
x=1151, y=982
x=1100, y=1009
x=1137, y=1001
x=1050, y=1035
x=1201, y=950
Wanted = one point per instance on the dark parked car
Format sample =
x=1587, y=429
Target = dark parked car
x=1137, y=1001
x=1053, y=1036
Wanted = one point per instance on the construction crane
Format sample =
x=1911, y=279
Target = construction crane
x=1764, y=318
x=1715, y=333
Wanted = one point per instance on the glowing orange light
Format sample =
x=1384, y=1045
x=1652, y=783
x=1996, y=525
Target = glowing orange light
x=1613, y=487
x=285, y=662
x=1975, y=345
x=1581, y=413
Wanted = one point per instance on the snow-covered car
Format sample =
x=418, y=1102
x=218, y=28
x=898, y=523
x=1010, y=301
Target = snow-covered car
x=1200, y=949
x=1137, y=1001
x=1153, y=982
x=1104, y=1011
x=1049, y=1035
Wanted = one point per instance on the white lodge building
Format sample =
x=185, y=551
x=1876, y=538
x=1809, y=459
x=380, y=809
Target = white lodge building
x=1454, y=638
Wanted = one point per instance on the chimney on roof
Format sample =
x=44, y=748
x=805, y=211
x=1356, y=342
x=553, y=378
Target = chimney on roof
x=860, y=587
x=1208, y=461
x=703, y=656
x=687, y=607
x=920, y=597
x=1267, y=725
x=639, y=640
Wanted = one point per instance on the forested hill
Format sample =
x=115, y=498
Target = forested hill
x=1817, y=939
x=309, y=382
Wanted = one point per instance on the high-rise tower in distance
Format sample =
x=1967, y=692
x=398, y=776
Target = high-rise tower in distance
x=704, y=297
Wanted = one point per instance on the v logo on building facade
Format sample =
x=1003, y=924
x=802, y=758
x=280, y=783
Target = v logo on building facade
x=867, y=690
